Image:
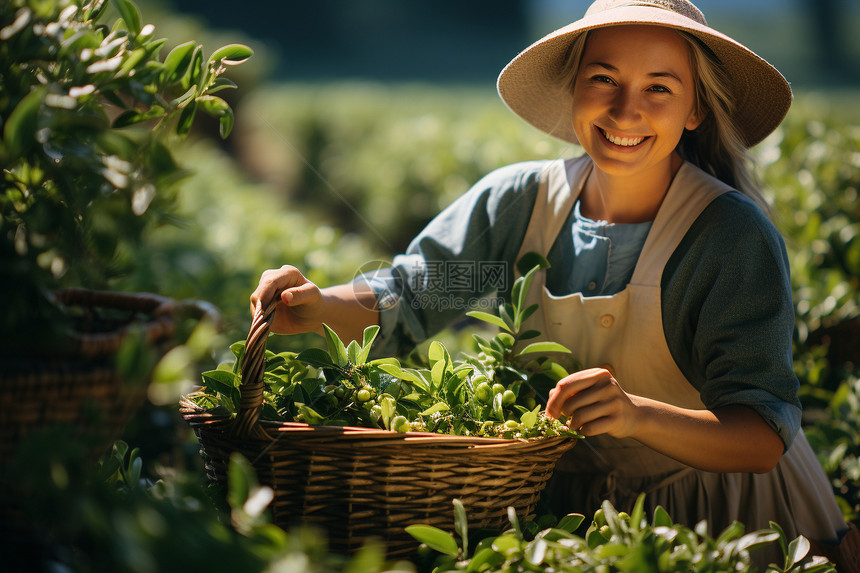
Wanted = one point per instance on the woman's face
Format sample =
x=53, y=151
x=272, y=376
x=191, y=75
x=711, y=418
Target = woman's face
x=633, y=97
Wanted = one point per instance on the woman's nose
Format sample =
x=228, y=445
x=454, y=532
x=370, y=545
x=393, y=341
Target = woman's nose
x=624, y=108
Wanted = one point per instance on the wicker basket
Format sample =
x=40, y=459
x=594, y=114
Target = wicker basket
x=76, y=383
x=359, y=483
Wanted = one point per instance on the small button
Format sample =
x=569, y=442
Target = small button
x=606, y=320
x=592, y=285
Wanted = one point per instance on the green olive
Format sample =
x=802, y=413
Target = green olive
x=400, y=424
x=483, y=393
x=508, y=398
x=498, y=388
x=363, y=395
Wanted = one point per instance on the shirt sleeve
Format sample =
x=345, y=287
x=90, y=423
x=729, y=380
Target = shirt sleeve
x=728, y=314
x=465, y=253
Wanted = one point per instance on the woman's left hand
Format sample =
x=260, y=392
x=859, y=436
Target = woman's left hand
x=594, y=403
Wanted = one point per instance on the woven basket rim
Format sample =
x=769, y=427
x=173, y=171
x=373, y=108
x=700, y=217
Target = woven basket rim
x=198, y=416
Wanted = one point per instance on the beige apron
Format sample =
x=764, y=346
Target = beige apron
x=625, y=331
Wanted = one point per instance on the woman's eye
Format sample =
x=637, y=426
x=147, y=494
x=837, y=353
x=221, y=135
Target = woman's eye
x=660, y=89
x=602, y=79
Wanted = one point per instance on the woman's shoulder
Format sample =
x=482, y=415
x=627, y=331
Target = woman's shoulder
x=733, y=217
x=731, y=237
x=515, y=176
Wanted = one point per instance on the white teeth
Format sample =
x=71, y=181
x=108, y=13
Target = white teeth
x=623, y=141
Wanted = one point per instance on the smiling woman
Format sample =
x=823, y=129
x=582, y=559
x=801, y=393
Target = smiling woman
x=666, y=278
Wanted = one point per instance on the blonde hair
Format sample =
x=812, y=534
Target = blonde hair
x=716, y=146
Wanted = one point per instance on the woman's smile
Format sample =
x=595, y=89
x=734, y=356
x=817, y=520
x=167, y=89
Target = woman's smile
x=624, y=141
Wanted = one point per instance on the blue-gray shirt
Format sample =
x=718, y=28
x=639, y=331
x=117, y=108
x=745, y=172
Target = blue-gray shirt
x=726, y=296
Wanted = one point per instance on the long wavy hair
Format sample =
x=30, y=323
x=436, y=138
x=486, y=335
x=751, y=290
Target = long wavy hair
x=716, y=146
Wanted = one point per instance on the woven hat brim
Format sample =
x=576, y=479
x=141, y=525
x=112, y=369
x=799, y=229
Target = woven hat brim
x=531, y=86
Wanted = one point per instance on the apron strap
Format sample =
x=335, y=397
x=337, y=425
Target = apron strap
x=690, y=192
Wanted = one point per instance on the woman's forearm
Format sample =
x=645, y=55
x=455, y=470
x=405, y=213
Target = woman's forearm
x=349, y=309
x=729, y=439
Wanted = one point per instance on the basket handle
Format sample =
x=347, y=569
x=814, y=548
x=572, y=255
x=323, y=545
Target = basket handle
x=253, y=367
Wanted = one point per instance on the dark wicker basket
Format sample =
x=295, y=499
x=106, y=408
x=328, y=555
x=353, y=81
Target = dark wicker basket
x=360, y=483
x=76, y=382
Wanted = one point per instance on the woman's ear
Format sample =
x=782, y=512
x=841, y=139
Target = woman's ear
x=695, y=120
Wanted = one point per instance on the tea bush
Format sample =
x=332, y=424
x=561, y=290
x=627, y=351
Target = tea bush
x=89, y=107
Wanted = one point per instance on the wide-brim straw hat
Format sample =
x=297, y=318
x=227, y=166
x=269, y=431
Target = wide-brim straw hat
x=532, y=86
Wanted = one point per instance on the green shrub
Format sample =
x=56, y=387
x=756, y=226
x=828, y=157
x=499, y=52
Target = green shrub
x=613, y=541
x=88, y=108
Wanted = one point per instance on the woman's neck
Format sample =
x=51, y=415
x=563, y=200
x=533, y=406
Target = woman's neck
x=626, y=199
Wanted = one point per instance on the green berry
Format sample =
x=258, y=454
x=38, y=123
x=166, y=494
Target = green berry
x=498, y=388
x=400, y=424
x=363, y=395
x=508, y=398
x=483, y=393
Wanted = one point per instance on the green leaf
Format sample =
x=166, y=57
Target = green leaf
x=757, y=539
x=536, y=551
x=661, y=518
x=435, y=538
x=241, y=479
x=437, y=407
x=312, y=417
x=129, y=14
x=131, y=61
x=498, y=410
x=528, y=334
x=133, y=116
x=403, y=374
x=316, y=357
x=490, y=318
x=218, y=108
x=177, y=61
x=438, y=353
x=486, y=556
x=506, y=543
x=530, y=260
x=336, y=349
x=506, y=340
x=783, y=540
x=194, y=71
x=19, y=133
x=369, y=335
x=735, y=530
x=797, y=550
x=461, y=524
x=529, y=419
x=570, y=522
x=231, y=54
x=370, y=557
x=389, y=410
x=221, y=84
x=638, y=513
x=186, y=119
x=543, y=347
x=352, y=351
x=505, y=315
x=526, y=313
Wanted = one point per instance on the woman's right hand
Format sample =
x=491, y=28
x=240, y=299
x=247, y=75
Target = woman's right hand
x=302, y=306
